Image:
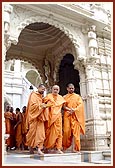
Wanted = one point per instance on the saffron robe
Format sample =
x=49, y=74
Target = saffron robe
x=18, y=129
x=9, y=125
x=53, y=127
x=8, y=128
x=74, y=123
x=24, y=130
x=35, y=121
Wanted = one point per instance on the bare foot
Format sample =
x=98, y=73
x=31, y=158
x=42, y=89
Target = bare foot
x=40, y=152
x=74, y=151
x=59, y=151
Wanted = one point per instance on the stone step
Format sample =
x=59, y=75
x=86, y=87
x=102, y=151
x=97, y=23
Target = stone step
x=59, y=158
x=91, y=156
x=96, y=156
x=65, y=158
x=68, y=158
x=102, y=162
x=107, y=155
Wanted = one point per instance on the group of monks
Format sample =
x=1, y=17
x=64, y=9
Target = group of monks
x=15, y=127
x=52, y=122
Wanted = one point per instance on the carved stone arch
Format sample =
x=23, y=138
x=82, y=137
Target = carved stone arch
x=22, y=59
x=30, y=73
x=31, y=61
x=52, y=22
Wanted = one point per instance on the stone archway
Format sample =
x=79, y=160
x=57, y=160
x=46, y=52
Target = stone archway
x=33, y=77
x=53, y=58
x=49, y=21
x=47, y=54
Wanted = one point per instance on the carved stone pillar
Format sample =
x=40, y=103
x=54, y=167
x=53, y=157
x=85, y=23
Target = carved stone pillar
x=6, y=17
x=94, y=125
x=92, y=97
x=17, y=66
x=80, y=67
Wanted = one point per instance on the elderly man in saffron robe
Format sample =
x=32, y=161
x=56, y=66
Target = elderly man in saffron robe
x=35, y=120
x=53, y=126
x=74, y=119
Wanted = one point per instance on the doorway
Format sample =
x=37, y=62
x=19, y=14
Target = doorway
x=67, y=74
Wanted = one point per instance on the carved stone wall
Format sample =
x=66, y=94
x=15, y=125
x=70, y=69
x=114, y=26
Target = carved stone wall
x=98, y=99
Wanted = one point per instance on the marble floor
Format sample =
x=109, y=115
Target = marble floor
x=23, y=158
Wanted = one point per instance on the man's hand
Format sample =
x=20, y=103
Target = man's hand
x=43, y=105
x=71, y=110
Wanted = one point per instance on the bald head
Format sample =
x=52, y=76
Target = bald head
x=55, y=89
x=70, y=88
x=41, y=88
x=7, y=108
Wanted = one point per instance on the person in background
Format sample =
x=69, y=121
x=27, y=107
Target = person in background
x=13, y=122
x=24, y=131
x=8, y=117
x=18, y=129
x=74, y=119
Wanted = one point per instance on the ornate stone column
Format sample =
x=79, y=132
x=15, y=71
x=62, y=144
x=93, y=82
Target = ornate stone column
x=17, y=69
x=6, y=18
x=78, y=64
x=91, y=90
x=95, y=134
x=95, y=130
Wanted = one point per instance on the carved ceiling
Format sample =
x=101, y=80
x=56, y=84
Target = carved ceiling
x=38, y=42
x=35, y=40
x=40, y=34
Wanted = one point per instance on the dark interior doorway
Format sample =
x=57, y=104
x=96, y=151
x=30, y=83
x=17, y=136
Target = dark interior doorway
x=67, y=74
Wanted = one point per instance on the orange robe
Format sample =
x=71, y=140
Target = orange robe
x=8, y=117
x=24, y=131
x=35, y=121
x=74, y=123
x=13, y=122
x=53, y=126
x=18, y=130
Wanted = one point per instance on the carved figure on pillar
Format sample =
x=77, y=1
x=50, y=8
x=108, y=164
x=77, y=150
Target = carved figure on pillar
x=47, y=70
x=92, y=41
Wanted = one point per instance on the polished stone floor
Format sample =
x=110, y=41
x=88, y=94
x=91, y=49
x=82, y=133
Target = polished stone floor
x=23, y=158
